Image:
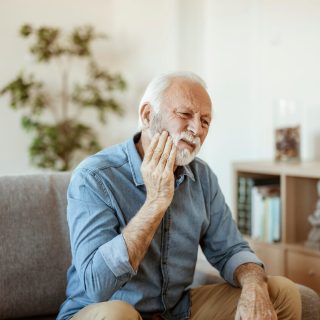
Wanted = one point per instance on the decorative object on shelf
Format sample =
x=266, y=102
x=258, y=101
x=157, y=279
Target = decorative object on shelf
x=59, y=136
x=314, y=219
x=287, y=131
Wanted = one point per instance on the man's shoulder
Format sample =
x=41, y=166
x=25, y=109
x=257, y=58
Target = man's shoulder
x=198, y=165
x=202, y=170
x=110, y=157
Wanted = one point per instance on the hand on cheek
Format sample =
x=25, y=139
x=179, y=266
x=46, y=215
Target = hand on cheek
x=158, y=170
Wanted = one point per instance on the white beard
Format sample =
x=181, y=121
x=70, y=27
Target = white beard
x=183, y=156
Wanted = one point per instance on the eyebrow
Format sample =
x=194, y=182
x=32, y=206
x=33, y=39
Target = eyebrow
x=185, y=108
x=191, y=111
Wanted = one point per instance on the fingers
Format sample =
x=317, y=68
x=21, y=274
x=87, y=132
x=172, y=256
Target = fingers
x=161, y=153
x=156, y=146
x=165, y=154
x=158, y=151
x=154, y=142
x=172, y=158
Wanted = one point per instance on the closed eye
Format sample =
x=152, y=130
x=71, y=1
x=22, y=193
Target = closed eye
x=205, y=122
x=184, y=114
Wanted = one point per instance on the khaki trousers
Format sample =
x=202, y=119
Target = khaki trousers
x=217, y=301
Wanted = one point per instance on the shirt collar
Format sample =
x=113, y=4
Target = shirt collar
x=185, y=171
x=135, y=163
x=134, y=159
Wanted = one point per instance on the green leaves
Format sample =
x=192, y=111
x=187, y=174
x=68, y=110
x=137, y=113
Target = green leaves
x=81, y=39
x=54, y=145
x=25, y=30
x=59, y=139
x=97, y=92
x=110, y=82
x=49, y=42
x=27, y=123
x=25, y=92
x=46, y=42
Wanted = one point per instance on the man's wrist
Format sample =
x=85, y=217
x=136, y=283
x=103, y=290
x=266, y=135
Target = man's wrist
x=251, y=274
x=155, y=205
x=253, y=283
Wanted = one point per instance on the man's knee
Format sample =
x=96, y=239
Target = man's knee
x=285, y=296
x=121, y=310
x=282, y=286
x=109, y=310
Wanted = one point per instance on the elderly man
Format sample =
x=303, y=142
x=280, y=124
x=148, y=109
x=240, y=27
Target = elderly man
x=137, y=212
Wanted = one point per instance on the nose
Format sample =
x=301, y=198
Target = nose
x=195, y=126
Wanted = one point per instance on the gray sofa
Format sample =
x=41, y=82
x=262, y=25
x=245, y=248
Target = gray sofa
x=35, y=250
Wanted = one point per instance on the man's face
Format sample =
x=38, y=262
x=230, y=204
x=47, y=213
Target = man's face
x=185, y=112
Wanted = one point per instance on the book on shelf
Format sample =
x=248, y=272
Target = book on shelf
x=258, y=203
x=265, y=213
x=244, y=204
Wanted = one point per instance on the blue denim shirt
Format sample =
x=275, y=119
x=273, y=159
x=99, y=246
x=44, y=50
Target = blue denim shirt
x=105, y=192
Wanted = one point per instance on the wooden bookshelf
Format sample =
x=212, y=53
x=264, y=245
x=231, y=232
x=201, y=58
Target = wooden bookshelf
x=298, y=197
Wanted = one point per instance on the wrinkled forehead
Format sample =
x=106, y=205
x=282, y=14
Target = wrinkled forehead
x=187, y=94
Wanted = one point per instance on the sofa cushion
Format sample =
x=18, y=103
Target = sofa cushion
x=34, y=250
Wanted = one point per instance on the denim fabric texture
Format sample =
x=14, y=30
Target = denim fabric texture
x=105, y=192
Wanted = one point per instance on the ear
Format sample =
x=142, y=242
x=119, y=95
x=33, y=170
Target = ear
x=146, y=115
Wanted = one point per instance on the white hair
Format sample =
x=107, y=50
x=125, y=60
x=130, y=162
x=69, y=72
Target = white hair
x=158, y=86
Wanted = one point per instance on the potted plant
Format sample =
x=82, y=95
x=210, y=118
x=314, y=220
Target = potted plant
x=53, y=117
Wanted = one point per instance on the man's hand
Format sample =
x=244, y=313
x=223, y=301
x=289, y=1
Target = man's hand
x=254, y=302
x=158, y=170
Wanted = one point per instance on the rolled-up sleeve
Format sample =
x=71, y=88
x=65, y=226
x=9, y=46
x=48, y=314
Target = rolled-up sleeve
x=115, y=255
x=99, y=251
x=235, y=261
x=222, y=242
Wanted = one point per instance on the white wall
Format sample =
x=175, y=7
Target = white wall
x=287, y=65
x=249, y=51
x=142, y=43
x=253, y=52
x=228, y=56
